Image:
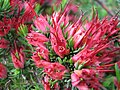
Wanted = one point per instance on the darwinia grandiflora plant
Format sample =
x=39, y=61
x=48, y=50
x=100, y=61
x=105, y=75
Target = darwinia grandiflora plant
x=73, y=55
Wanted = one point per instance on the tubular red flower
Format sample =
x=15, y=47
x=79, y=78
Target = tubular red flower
x=95, y=39
x=3, y=71
x=41, y=56
x=41, y=24
x=36, y=39
x=43, y=52
x=55, y=70
x=46, y=83
x=18, y=57
x=58, y=41
x=5, y=26
x=4, y=43
x=117, y=83
x=61, y=18
x=84, y=79
x=29, y=12
x=17, y=3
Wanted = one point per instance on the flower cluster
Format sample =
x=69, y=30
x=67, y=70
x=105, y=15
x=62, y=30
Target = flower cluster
x=84, y=51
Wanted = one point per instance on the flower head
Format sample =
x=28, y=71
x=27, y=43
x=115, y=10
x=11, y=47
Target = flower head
x=18, y=57
x=55, y=70
x=41, y=23
x=4, y=43
x=3, y=71
x=36, y=39
x=57, y=40
x=78, y=53
x=85, y=79
x=5, y=26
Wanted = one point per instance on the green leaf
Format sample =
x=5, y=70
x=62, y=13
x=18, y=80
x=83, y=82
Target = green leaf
x=71, y=61
x=60, y=60
x=37, y=8
x=70, y=42
x=117, y=71
x=108, y=81
x=64, y=2
x=4, y=6
x=23, y=30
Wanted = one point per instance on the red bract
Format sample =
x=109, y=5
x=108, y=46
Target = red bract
x=85, y=79
x=5, y=26
x=55, y=70
x=3, y=71
x=18, y=57
x=41, y=24
x=36, y=39
x=4, y=43
x=57, y=40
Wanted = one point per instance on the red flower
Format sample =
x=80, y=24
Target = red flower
x=5, y=26
x=41, y=24
x=29, y=12
x=55, y=70
x=76, y=31
x=85, y=79
x=45, y=83
x=17, y=3
x=4, y=43
x=40, y=56
x=18, y=57
x=60, y=18
x=3, y=71
x=36, y=38
x=95, y=40
x=43, y=52
x=58, y=41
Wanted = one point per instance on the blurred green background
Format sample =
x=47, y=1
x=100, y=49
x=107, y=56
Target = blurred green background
x=112, y=6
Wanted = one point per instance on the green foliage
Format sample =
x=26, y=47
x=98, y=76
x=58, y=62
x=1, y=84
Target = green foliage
x=63, y=3
x=4, y=7
x=22, y=79
x=23, y=30
x=37, y=8
x=108, y=82
x=117, y=70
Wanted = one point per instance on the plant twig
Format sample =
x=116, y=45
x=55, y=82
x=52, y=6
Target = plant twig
x=105, y=7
